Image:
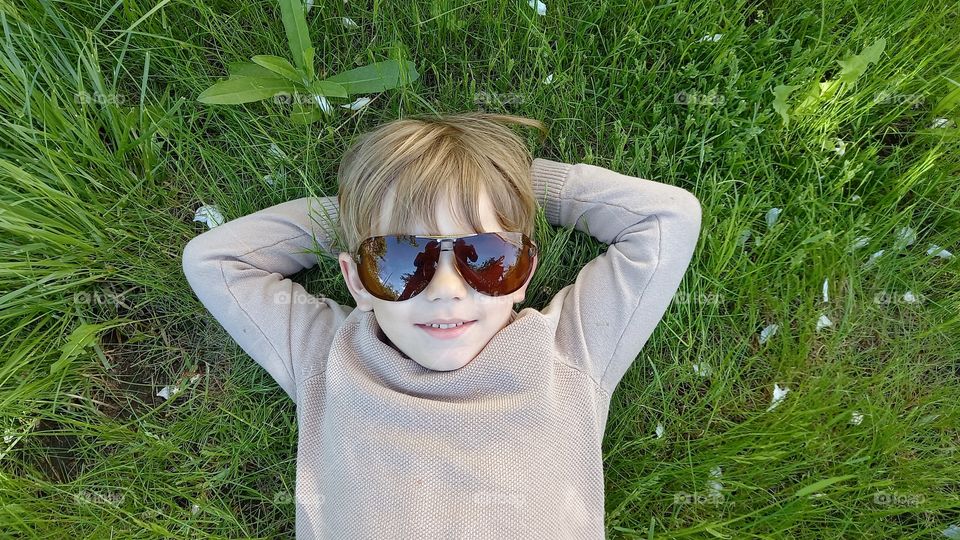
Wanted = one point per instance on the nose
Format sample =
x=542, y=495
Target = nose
x=446, y=282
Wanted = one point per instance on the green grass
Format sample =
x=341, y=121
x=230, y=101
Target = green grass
x=97, y=198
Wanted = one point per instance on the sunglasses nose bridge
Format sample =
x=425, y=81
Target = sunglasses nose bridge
x=446, y=244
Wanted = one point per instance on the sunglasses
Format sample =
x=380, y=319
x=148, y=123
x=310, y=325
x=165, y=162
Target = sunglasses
x=398, y=267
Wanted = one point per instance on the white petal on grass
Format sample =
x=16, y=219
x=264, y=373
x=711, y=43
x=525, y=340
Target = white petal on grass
x=268, y=179
x=539, y=6
x=939, y=252
x=168, y=391
x=856, y=417
x=276, y=152
x=940, y=122
x=778, y=395
x=772, y=215
x=714, y=485
x=826, y=290
x=209, y=214
x=859, y=242
x=708, y=37
x=768, y=332
x=744, y=236
x=357, y=104
x=823, y=322
x=909, y=298
x=324, y=103
x=349, y=23
x=840, y=147
x=702, y=369
x=549, y=79
x=855, y=198
x=905, y=237
x=873, y=258
x=659, y=430
x=195, y=509
x=309, y=5
x=952, y=532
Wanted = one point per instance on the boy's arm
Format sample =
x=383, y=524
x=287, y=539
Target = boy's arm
x=607, y=314
x=238, y=270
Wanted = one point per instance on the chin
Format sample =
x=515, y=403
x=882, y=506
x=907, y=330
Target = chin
x=447, y=366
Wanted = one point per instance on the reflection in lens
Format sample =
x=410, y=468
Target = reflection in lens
x=493, y=263
x=395, y=268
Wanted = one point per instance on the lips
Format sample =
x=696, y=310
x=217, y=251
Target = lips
x=447, y=321
x=449, y=333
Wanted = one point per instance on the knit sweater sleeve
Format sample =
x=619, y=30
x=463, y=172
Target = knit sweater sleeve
x=238, y=271
x=618, y=298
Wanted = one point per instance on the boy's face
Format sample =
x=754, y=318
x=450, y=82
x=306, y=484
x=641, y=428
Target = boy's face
x=446, y=296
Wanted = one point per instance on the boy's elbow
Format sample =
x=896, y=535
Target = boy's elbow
x=688, y=220
x=192, y=259
x=696, y=210
x=690, y=209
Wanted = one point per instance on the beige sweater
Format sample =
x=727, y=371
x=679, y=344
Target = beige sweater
x=508, y=446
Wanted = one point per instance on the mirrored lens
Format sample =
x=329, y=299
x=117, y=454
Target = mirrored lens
x=397, y=267
x=494, y=264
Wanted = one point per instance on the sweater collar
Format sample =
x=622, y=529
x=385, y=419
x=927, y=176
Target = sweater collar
x=514, y=361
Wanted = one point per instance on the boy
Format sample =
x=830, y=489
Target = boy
x=491, y=429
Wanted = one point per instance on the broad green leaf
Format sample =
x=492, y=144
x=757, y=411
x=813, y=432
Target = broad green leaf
x=305, y=114
x=854, y=66
x=247, y=69
x=817, y=486
x=244, y=90
x=781, y=93
x=295, y=23
x=79, y=339
x=308, y=64
x=376, y=77
x=279, y=66
x=329, y=89
x=811, y=97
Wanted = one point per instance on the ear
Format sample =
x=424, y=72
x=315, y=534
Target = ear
x=349, y=270
x=522, y=291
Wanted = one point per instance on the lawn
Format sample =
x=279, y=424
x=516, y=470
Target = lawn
x=804, y=383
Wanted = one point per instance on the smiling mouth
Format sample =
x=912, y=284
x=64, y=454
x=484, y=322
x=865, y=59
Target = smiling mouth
x=445, y=325
x=448, y=333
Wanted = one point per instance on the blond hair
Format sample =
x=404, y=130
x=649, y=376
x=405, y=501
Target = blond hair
x=421, y=160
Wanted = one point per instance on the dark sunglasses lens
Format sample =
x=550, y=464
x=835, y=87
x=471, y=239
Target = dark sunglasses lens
x=495, y=264
x=398, y=267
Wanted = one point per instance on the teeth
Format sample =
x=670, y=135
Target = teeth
x=445, y=326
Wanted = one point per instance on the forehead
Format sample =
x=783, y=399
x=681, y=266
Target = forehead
x=447, y=222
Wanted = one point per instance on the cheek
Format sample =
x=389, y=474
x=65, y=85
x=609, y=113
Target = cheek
x=393, y=315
